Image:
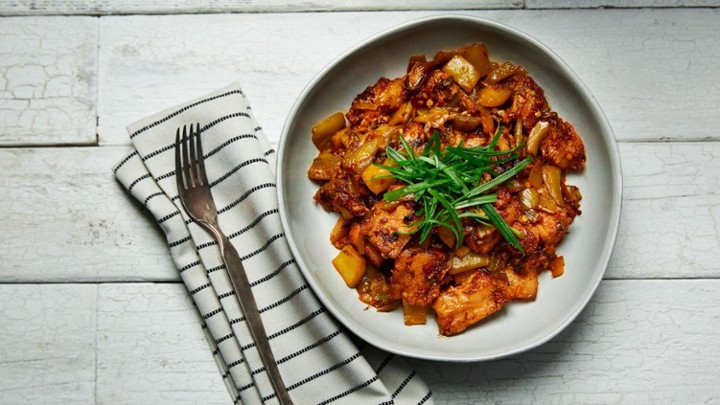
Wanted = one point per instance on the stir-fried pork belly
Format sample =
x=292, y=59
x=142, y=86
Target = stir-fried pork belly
x=464, y=267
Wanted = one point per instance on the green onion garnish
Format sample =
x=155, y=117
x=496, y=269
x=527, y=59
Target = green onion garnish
x=449, y=184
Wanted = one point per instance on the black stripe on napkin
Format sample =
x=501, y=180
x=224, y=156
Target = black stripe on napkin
x=198, y=289
x=351, y=390
x=273, y=305
x=158, y=151
x=187, y=107
x=235, y=363
x=138, y=180
x=384, y=363
x=224, y=338
x=214, y=151
x=245, y=387
x=246, y=195
x=327, y=371
x=227, y=294
x=230, y=142
x=285, y=299
x=241, y=231
x=216, y=268
x=224, y=118
x=254, y=222
x=212, y=313
x=263, y=247
x=403, y=384
x=273, y=273
x=151, y=196
x=238, y=167
x=189, y=266
x=179, y=242
x=296, y=325
x=168, y=216
x=312, y=346
x=127, y=158
x=425, y=398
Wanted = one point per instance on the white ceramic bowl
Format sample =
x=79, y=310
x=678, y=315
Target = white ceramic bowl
x=587, y=248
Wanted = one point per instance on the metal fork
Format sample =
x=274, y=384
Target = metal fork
x=196, y=197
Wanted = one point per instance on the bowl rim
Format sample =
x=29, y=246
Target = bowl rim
x=608, y=138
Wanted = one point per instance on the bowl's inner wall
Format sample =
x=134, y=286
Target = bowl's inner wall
x=586, y=249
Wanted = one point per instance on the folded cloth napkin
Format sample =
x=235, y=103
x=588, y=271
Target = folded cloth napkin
x=320, y=361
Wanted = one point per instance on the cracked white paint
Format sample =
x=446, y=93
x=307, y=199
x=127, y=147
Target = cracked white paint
x=46, y=94
x=643, y=100
x=47, y=343
x=150, y=345
x=229, y=6
x=648, y=336
x=637, y=342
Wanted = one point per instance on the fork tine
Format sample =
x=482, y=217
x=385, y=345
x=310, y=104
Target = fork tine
x=178, y=164
x=193, y=156
x=202, y=175
x=187, y=172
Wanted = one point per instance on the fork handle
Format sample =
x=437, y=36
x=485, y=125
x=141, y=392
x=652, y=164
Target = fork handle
x=245, y=297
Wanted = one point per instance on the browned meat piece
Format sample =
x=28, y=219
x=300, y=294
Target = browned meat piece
x=438, y=91
x=551, y=228
x=387, y=227
x=528, y=100
x=562, y=146
x=370, y=107
x=416, y=75
x=461, y=306
x=521, y=286
x=414, y=135
x=418, y=274
x=342, y=195
x=482, y=238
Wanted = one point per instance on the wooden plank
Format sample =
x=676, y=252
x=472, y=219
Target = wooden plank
x=641, y=341
x=47, y=344
x=670, y=223
x=550, y=4
x=148, y=63
x=48, y=80
x=151, y=348
x=64, y=217
x=637, y=342
x=271, y=55
x=104, y=7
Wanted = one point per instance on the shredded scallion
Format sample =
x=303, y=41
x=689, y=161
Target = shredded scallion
x=450, y=184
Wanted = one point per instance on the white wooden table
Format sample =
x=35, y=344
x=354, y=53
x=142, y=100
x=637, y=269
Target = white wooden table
x=92, y=310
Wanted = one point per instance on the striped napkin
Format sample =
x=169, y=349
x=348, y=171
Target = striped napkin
x=320, y=362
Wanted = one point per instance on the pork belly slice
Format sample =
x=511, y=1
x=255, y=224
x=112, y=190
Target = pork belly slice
x=418, y=275
x=388, y=227
x=478, y=296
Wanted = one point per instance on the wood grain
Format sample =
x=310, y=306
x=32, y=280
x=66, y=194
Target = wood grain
x=151, y=348
x=64, y=218
x=47, y=343
x=637, y=342
x=48, y=80
x=551, y=4
x=91, y=307
x=641, y=341
x=105, y=7
x=66, y=200
x=148, y=63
